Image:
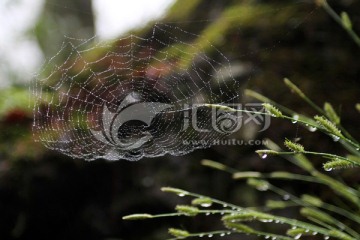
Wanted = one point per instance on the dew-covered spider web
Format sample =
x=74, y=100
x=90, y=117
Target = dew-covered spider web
x=135, y=97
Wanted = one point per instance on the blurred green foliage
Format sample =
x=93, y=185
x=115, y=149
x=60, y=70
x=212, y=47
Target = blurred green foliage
x=14, y=98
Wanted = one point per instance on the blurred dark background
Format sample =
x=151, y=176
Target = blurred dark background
x=46, y=195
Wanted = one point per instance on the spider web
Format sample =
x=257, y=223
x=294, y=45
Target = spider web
x=135, y=97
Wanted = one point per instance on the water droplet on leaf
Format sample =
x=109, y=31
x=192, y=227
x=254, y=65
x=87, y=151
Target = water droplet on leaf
x=335, y=138
x=295, y=118
x=206, y=205
x=298, y=236
x=312, y=129
x=286, y=197
x=328, y=169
